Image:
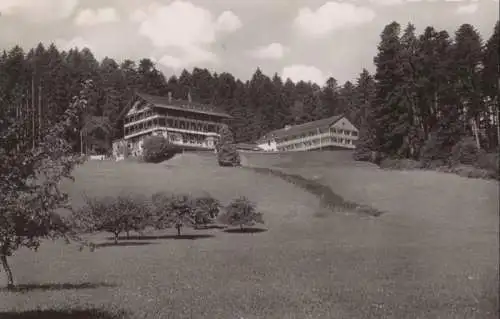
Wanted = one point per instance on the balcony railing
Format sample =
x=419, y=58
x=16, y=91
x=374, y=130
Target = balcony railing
x=153, y=128
x=324, y=143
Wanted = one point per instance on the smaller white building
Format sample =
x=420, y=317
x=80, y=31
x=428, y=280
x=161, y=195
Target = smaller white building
x=335, y=132
x=268, y=144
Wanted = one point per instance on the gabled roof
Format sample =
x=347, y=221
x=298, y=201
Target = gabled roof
x=165, y=102
x=301, y=128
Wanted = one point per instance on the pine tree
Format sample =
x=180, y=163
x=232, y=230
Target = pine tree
x=227, y=154
x=490, y=86
x=331, y=98
x=365, y=93
x=389, y=123
x=150, y=79
x=408, y=91
x=467, y=58
x=350, y=105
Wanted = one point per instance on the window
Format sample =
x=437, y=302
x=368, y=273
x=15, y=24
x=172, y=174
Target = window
x=354, y=133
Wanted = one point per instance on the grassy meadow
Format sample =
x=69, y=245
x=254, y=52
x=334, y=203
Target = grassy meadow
x=433, y=253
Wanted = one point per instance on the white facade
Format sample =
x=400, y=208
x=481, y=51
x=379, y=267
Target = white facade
x=183, y=127
x=268, y=145
x=338, y=133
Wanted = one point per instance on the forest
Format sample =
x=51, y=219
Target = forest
x=429, y=91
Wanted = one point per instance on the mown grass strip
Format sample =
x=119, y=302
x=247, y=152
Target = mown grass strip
x=327, y=197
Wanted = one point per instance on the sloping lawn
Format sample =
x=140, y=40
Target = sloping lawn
x=304, y=266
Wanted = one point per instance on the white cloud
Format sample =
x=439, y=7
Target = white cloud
x=228, y=22
x=387, y=2
x=271, y=51
x=467, y=9
x=191, y=56
x=183, y=26
x=89, y=17
x=77, y=42
x=140, y=15
x=299, y=72
x=178, y=24
x=332, y=16
x=39, y=11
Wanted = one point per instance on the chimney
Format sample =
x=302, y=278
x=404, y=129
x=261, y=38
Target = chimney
x=169, y=97
x=189, y=96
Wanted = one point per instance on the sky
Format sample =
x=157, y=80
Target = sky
x=308, y=40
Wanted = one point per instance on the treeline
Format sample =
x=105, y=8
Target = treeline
x=431, y=92
x=427, y=87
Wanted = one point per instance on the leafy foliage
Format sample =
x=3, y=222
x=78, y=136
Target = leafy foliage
x=158, y=149
x=206, y=209
x=31, y=174
x=242, y=212
x=115, y=215
x=227, y=154
x=173, y=210
x=431, y=92
x=465, y=152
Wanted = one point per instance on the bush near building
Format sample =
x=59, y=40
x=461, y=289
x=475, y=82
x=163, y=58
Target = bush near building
x=227, y=154
x=157, y=149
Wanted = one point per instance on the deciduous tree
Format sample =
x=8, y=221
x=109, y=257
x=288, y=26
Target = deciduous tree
x=30, y=191
x=116, y=215
x=242, y=212
x=173, y=211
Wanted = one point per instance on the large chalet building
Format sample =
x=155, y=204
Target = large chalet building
x=335, y=132
x=184, y=123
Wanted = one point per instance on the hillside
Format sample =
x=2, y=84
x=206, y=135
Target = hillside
x=432, y=254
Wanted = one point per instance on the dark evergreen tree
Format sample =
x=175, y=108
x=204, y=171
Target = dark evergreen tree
x=467, y=59
x=227, y=154
x=490, y=87
x=331, y=99
x=388, y=121
x=365, y=93
x=350, y=106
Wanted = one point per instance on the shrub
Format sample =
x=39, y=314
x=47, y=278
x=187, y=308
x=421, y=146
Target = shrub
x=205, y=209
x=242, y=212
x=227, y=154
x=465, y=152
x=362, y=154
x=173, y=210
x=158, y=149
x=489, y=161
x=115, y=215
x=434, y=151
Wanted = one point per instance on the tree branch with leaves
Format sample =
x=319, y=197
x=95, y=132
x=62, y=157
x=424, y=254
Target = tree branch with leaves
x=30, y=193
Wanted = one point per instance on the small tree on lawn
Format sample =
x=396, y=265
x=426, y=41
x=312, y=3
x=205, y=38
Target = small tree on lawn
x=206, y=209
x=30, y=177
x=115, y=215
x=242, y=212
x=227, y=154
x=158, y=149
x=173, y=210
